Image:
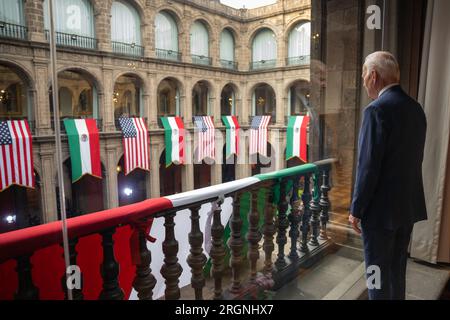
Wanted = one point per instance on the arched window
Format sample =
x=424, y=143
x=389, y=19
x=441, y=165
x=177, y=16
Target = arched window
x=300, y=44
x=83, y=196
x=264, y=101
x=264, y=50
x=227, y=101
x=127, y=97
x=200, y=44
x=200, y=99
x=298, y=98
x=227, y=49
x=125, y=29
x=20, y=207
x=11, y=12
x=166, y=34
x=78, y=96
x=14, y=96
x=168, y=98
x=73, y=18
x=132, y=187
x=169, y=177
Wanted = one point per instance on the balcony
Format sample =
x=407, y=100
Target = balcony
x=206, y=61
x=298, y=61
x=14, y=31
x=227, y=64
x=168, y=55
x=73, y=40
x=263, y=64
x=127, y=49
x=287, y=216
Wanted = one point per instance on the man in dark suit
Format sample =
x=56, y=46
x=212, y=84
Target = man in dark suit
x=388, y=197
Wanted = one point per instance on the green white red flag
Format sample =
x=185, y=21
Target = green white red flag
x=84, y=147
x=174, y=139
x=232, y=135
x=297, y=138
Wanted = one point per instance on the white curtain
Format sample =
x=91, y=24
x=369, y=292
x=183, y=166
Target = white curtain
x=125, y=23
x=72, y=16
x=166, y=32
x=265, y=46
x=226, y=46
x=300, y=40
x=11, y=11
x=199, y=39
x=428, y=236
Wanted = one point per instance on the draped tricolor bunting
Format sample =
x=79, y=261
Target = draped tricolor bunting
x=258, y=135
x=16, y=154
x=297, y=131
x=204, y=131
x=84, y=147
x=232, y=135
x=48, y=263
x=174, y=139
x=135, y=144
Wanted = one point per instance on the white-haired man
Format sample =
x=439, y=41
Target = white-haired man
x=388, y=197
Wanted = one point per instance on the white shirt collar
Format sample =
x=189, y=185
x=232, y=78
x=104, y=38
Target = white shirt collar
x=387, y=88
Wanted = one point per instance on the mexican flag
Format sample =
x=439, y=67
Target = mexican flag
x=297, y=138
x=232, y=130
x=174, y=139
x=84, y=147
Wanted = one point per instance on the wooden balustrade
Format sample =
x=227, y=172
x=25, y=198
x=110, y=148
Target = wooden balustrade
x=110, y=269
x=306, y=221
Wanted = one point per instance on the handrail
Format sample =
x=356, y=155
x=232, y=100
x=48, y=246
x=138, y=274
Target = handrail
x=25, y=241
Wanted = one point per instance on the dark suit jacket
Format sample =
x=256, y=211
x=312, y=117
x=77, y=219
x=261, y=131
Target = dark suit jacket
x=388, y=190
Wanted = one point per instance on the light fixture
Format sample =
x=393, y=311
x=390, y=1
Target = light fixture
x=10, y=219
x=128, y=191
x=119, y=169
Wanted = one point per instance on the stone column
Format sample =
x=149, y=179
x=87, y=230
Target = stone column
x=102, y=18
x=48, y=187
x=154, y=169
x=152, y=101
x=245, y=106
x=186, y=106
x=148, y=34
x=41, y=101
x=34, y=20
x=281, y=103
x=106, y=106
x=216, y=103
x=112, y=196
x=187, y=170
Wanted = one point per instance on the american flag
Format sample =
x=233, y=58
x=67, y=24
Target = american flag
x=135, y=144
x=258, y=135
x=16, y=154
x=205, y=141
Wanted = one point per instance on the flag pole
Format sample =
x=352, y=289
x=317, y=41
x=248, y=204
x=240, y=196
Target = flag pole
x=59, y=166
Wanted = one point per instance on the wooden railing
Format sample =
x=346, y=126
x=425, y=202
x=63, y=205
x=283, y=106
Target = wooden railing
x=297, y=200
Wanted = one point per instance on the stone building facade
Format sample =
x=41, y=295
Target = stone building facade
x=29, y=58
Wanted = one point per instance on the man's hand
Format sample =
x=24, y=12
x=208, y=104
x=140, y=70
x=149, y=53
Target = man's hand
x=355, y=223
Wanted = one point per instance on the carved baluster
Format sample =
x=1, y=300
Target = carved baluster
x=283, y=224
x=236, y=244
x=306, y=198
x=77, y=294
x=26, y=288
x=217, y=251
x=269, y=232
x=315, y=211
x=110, y=269
x=324, y=204
x=144, y=281
x=171, y=270
x=196, y=258
x=253, y=236
x=294, y=219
